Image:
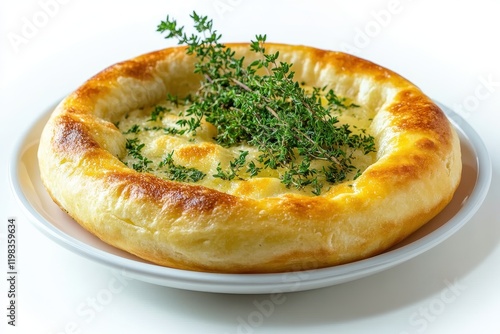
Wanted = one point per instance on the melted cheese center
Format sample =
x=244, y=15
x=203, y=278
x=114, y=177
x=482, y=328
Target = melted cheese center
x=154, y=140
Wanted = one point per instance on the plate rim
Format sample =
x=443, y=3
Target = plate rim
x=268, y=282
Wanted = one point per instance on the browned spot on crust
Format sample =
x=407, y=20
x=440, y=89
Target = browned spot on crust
x=403, y=171
x=400, y=169
x=170, y=194
x=415, y=112
x=141, y=68
x=351, y=64
x=90, y=90
x=137, y=70
x=71, y=137
x=426, y=144
x=71, y=109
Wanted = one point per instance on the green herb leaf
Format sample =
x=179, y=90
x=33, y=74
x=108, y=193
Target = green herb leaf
x=261, y=105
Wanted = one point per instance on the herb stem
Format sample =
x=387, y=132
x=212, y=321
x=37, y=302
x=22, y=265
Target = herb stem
x=289, y=124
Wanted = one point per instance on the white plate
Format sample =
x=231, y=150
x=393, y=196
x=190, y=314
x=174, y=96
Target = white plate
x=53, y=222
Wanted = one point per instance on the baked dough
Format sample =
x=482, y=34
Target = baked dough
x=257, y=225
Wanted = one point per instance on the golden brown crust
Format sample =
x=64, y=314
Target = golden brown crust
x=194, y=227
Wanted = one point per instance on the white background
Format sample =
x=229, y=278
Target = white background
x=450, y=49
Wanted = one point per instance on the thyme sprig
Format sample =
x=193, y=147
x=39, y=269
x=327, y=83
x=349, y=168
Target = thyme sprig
x=180, y=173
x=140, y=163
x=260, y=104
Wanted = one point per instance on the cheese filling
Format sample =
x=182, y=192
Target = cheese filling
x=158, y=144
